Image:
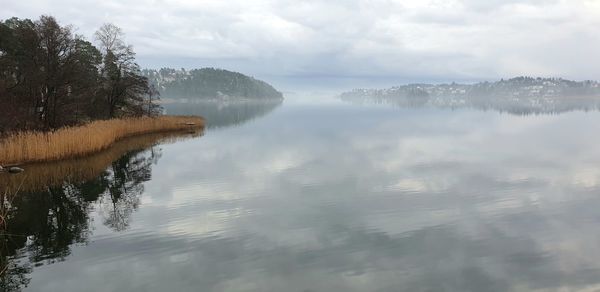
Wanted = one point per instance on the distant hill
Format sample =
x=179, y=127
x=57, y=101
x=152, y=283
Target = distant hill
x=209, y=83
x=520, y=95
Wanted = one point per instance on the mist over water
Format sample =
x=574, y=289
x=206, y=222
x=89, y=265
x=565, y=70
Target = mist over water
x=220, y=114
x=317, y=194
x=347, y=145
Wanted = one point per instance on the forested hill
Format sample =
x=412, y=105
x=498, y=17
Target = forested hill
x=520, y=95
x=526, y=88
x=209, y=83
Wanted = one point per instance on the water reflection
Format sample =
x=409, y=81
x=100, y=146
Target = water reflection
x=511, y=105
x=224, y=113
x=338, y=197
x=41, y=175
x=47, y=209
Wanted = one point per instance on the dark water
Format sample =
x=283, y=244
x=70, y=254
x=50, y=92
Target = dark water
x=327, y=196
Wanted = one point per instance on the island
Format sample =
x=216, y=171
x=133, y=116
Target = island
x=209, y=84
x=519, y=95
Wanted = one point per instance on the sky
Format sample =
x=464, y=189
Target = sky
x=386, y=40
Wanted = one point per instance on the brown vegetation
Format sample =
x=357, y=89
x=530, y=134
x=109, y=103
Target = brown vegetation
x=50, y=174
x=68, y=142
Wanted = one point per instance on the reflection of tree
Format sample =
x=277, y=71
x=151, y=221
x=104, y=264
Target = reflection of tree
x=14, y=275
x=40, y=175
x=220, y=114
x=41, y=226
x=125, y=187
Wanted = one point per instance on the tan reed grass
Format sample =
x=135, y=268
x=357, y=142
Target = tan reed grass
x=69, y=142
x=39, y=175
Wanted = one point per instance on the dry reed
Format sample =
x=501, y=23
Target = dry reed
x=77, y=141
x=39, y=175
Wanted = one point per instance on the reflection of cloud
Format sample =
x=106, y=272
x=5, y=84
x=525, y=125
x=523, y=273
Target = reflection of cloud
x=344, y=259
x=420, y=200
x=408, y=185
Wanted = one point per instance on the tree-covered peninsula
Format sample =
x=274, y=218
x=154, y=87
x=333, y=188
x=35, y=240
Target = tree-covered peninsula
x=209, y=83
x=63, y=96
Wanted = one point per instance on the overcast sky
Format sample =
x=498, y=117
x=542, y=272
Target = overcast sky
x=417, y=40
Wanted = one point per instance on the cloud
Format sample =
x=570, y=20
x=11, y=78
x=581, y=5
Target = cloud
x=424, y=40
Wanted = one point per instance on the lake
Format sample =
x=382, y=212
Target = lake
x=319, y=195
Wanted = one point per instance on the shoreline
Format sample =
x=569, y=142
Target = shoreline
x=73, y=142
x=39, y=175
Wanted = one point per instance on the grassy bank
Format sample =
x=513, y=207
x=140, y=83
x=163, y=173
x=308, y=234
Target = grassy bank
x=81, y=140
x=40, y=175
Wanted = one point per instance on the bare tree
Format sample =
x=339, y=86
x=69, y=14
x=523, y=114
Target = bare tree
x=110, y=37
x=153, y=109
x=123, y=86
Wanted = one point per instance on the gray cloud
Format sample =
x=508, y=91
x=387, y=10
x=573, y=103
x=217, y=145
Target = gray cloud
x=416, y=40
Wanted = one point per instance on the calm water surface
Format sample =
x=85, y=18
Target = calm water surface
x=327, y=197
